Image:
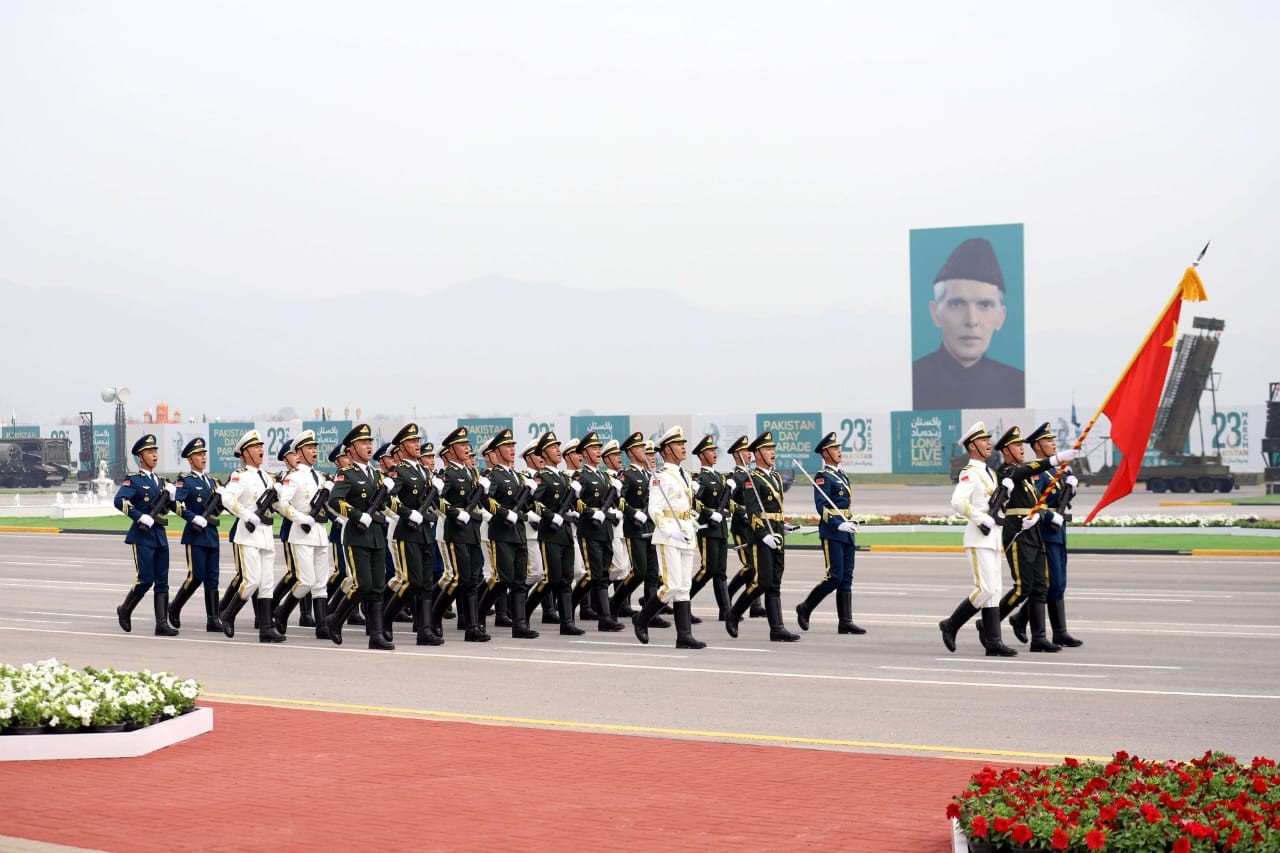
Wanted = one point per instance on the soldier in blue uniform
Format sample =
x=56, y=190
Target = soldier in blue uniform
x=836, y=531
x=1053, y=533
x=194, y=491
x=138, y=494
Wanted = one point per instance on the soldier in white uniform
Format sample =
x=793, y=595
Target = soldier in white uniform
x=972, y=498
x=307, y=537
x=675, y=537
x=621, y=566
x=251, y=538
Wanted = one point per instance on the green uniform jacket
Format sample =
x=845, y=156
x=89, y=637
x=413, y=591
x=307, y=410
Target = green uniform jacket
x=762, y=493
x=414, y=482
x=635, y=496
x=548, y=498
x=595, y=488
x=505, y=489
x=708, y=501
x=460, y=483
x=353, y=488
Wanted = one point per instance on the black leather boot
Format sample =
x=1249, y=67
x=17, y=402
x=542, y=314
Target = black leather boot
x=391, y=608
x=257, y=612
x=520, y=629
x=377, y=634
x=720, y=587
x=1005, y=608
x=805, y=608
x=1018, y=621
x=991, y=634
x=338, y=618
x=320, y=610
x=280, y=616
x=502, y=608
x=228, y=615
x=778, y=632
x=425, y=634
x=844, y=610
x=212, y=624
x=585, y=599
x=282, y=588
x=229, y=593
x=651, y=591
x=490, y=599
x=606, y=623
x=439, y=608
x=1058, y=620
x=357, y=615
x=163, y=628
x=184, y=594
x=124, y=613
x=640, y=621
x=305, y=612
x=952, y=624
x=1039, y=642
x=620, y=602
x=268, y=633
x=567, y=626
x=684, y=627
x=475, y=631
x=739, y=608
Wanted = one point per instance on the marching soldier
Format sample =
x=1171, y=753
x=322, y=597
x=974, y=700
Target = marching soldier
x=461, y=491
x=762, y=493
x=355, y=496
x=833, y=500
x=1053, y=532
x=500, y=604
x=572, y=456
x=428, y=460
x=972, y=499
x=1021, y=535
x=304, y=494
x=508, y=546
x=714, y=501
x=637, y=531
x=537, y=572
x=250, y=495
x=595, y=528
x=290, y=459
x=138, y=497
x=671, y=507
x=194, y=491
x=620, y=568
x=413, y=537
x=337, y=556
x=386, y=459
x=739, y=523
x=551, y=501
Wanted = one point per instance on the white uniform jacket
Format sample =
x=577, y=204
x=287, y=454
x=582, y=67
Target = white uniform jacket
x=971, y=498
x=240, y=498
x=671, y=507
x=299, y=488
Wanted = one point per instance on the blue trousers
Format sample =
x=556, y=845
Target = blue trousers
x=202, y=567
x=152, y=566
x=1057, y=554
x=437, y=566
x=839, y=559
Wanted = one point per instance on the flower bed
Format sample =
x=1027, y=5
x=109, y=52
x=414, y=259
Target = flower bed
x=51, y=696
x=1137, y=520
x=1128, y=804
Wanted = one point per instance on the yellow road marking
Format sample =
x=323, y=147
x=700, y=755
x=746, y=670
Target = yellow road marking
x=621, y=729
x=16, y=529
x=1232, y=552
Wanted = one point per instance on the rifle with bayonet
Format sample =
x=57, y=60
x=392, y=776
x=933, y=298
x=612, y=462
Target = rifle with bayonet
x=263, y=508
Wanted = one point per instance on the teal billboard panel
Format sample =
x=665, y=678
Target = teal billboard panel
x=923, y=442
x=222, y=445
x=795, y=434
x=616, y=427
x=480, y=430
x=328, y=434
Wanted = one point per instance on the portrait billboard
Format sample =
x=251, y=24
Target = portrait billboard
x=968, y=341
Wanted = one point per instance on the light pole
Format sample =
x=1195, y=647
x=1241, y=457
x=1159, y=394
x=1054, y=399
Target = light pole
x=119, y=396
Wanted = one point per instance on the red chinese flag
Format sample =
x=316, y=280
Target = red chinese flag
x=1133, y=402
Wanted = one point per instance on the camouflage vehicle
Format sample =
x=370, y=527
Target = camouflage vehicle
x=34, y=462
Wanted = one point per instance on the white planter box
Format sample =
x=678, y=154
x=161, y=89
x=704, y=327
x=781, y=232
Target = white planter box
x=106, y=744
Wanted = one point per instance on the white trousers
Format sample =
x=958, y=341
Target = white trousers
x=677, y=566
x=987, y=588
x=312, y=564
x=536, y=571
x=621, y=566
x=257, y=568
x=579, y=562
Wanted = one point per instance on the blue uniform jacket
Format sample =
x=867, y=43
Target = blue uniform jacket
x=1049, y=533
x=193, y=491
x=134, y=498
x=835, y=485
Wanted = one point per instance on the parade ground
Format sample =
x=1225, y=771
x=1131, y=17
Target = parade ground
x=598, y=741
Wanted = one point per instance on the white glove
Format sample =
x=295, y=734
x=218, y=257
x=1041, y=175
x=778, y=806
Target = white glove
x=771, y=541
x=464, y=517
x=484, y=484
x=437, y=484
x=716, y=517
x=847, y=527
x=342, y=521
x=696, y=487
x=365, y=519
x=486, y=516
x=171, y=489
x=597, y=516
x=254, y=520
x=306, y=519
x=1031, y=521
x=615, y=514
x=511, y=516
x=1073, y=481
x=557, y=520
x=199, y=521
x=1062, y=457
x=146, y=521
x=679, y=536
x=986, y=520
x=1055, y=519
x=640, y=517
x=572, y=515
x=576, y=486
x=415, y=516
x=1008, y=485
x=617, y=484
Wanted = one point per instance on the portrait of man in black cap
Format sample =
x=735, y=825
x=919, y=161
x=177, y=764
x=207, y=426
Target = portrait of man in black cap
x=968, y=307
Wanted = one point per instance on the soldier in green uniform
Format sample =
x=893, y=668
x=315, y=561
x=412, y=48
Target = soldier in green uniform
x=551, y=501
x=363, y=538
x=413, y=537
x=462, y=490
x=762, y=493
x=637, y=530
x=508, y=544
x=713, y=502
x=739, y=521
x=595, y=527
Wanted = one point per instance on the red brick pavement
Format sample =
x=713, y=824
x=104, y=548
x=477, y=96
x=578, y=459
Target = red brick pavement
x=275, y=778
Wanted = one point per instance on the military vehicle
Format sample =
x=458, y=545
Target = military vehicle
x=34, y=462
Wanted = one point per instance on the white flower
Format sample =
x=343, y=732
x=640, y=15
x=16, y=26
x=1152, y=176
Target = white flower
x=169, y=711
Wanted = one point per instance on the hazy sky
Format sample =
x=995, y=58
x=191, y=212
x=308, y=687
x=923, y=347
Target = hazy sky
x=769, y=155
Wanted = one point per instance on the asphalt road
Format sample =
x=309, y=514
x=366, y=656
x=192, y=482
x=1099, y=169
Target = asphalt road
x=1180, y=656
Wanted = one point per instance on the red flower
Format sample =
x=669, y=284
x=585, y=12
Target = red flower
x=1182, y=845
x=1022, y=833
x=1199, y=830
x=1096, y=840
x=1260, y=784
x=1061, y=839
x=1003, y=823
x=1071, y=762
x=1107, y=814
x=980, y=827
x=1150, y=812
x=953, y=810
